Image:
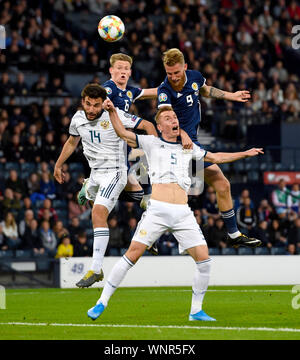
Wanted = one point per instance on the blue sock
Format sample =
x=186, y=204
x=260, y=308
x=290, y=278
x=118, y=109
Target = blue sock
x=230, y=221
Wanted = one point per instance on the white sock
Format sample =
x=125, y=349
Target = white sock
x=234, y=235
x=101, y=237
x=115, y=278
x=200, y=284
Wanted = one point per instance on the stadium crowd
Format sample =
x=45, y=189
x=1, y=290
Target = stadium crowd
x=235, y=44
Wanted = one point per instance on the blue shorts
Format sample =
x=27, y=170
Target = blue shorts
x=206, y=164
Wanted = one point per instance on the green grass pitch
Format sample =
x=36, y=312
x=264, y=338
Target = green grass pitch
x=252, y=312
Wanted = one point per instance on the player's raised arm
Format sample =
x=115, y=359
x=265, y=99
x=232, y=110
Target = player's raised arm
x=149, y=94
x=212, y=92
x=67, y=150
x=123, y=133
x=148, y=127
x=219, y=158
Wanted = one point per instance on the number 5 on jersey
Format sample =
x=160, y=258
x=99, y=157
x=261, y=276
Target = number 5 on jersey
x=95, y=135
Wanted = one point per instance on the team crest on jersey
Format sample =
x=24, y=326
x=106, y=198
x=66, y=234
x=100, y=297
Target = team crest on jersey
x=162, y=97
x=129, y=94
x=108, y=90
x=143, y=233
x=194, y=86
x=105, y=124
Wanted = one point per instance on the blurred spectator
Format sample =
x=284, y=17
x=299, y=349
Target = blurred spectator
x=293, y=200
x=47, y=206
x=294, y=238
x=245, y=194
x=262, y=232
x=246, y=217
x=166, y=243
x=210, y=205
x=20, y=86
x=60, y=230
x=276, y=238
x=10, y=230
x=10, y=202
x=15, y=183
x=3, y=239
x=47, y=187
x=48, y=238
x=116, y=240
x=65, y=248
x=265, y=211
x=129, y=231
x=25, y=223
x=74, y=229
x=33, y=151
x=83, y=212
x=280, y=198
x=218, y=235
x=81, y=247
x=31, y=238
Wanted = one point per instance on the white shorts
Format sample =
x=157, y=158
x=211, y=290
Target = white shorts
x=178, y=219
x=104, y=187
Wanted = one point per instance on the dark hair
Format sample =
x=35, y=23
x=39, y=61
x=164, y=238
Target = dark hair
x=94, y=91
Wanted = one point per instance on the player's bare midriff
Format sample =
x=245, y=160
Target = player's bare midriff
x=171, y=193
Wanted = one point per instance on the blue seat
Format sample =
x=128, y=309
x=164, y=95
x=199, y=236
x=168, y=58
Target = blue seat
x=6, y=253
x=228, y=251
x=214, y=251
x=28, y=167
x=253, y=176
x=114, y=252
x=245, y=251
x=60, y=204
x=261, y=251
x=12, y=165
x=278, y=251
x=24, y=253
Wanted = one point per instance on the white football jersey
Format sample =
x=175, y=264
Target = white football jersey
x=102, y=147
x=168, y=161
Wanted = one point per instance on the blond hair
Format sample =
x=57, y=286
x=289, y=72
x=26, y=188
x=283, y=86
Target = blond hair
x=162, y=110
x=120, y=57
x=173, y=57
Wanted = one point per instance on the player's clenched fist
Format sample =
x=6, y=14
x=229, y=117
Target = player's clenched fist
x=108, y=105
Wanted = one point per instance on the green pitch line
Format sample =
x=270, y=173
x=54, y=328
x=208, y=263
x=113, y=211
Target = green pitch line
x=261, y=312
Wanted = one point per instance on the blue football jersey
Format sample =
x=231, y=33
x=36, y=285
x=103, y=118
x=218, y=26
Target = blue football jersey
x=185, y=103
x=122, y=99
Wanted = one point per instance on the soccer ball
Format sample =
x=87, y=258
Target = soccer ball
x=111, y=28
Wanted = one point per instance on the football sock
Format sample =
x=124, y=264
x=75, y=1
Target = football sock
x=101, y=237
x=230, y=223
x=115, y=278
x=200, y=284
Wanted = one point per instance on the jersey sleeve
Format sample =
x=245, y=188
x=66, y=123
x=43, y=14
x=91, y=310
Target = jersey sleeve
x=130, y=121
x=73, y=128
x=145, y=142
x=198, y=153
x=200, y=79
x=111, y=89
x=136, y=93
x=163, y=96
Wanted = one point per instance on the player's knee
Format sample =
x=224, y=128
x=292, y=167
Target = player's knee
x=99, y=215
x=222, y=186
